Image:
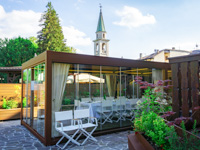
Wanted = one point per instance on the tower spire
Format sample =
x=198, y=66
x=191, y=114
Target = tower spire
x=100, y=25
x=100, y=6
x=101, y=47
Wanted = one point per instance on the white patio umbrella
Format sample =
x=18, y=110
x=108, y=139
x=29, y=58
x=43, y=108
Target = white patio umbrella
x=84, y=78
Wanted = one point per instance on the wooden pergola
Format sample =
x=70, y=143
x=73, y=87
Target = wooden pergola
x=50, y=57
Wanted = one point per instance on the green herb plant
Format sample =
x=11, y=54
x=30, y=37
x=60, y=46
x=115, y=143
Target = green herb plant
x=4, y=103
x=154, y=127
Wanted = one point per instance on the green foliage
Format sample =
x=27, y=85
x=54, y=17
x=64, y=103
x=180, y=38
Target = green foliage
x=66, y=101
x=14, y=52
x=9, y=104
x=12, y=104
x=34, y=41
x=151, y=104
x=97, y=93
x=154, y=127
x=51, y=36
x=24, y=102
x=185, y=143
x=4, y=103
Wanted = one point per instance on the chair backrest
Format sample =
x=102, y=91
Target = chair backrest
x=121, y=102
x=98, y=98
x=133, y=101
x=107, y=103
x=109, y=98
x=63, y=115
x=86, y=99
x=82, y=113
x=77, y=103
x=122, y=97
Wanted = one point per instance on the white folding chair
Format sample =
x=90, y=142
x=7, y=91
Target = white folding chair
x=119, y=110
x=86, y=99
x=97, y=99
x=64, y=116
x=130, y=109
x=77, y=104
x=106, y=110
x=82, y=115
x=109, y=98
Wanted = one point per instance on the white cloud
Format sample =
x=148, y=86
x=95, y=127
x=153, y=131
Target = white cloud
x=77, y=4
x=131, y=17
x=79, y=51
x=18, y=23
x=185, y=45
x=75, y=37
x=26, y=23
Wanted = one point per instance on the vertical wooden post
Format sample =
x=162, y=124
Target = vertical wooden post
x=48, y=97
x=32, y=99
x=194, y=68
x=184, y=89
x=175, y=96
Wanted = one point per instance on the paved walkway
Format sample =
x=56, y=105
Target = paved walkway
x=13, y=136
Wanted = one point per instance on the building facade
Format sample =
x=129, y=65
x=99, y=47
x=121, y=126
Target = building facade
x=163, y=55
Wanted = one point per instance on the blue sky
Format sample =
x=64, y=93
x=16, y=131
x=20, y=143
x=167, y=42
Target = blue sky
x=133, y=26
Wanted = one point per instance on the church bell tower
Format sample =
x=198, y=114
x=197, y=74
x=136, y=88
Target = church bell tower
x=101, y=47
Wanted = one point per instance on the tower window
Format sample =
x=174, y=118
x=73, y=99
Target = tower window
x=97, y=36
x=103, y=48
x=104, y=36
x=97, y=47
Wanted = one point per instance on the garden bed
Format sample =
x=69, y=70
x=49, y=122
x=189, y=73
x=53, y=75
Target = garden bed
x=9, y=114
x=138, y=142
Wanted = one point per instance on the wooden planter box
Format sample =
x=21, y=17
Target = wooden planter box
x=9, y=114
x=138, y=142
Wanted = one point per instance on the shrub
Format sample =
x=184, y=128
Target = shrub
x=185, y=143
x=24, y=102
x=12, y=104
x=66, y=101
x=154, y=127
x=9, y=104
x=154, y=97
x=4, y=103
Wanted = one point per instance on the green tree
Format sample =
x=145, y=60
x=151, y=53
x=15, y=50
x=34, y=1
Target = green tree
x=51, y=36
x=14, y=52
x=34, y=41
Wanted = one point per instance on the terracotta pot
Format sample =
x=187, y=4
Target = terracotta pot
x=138, y=142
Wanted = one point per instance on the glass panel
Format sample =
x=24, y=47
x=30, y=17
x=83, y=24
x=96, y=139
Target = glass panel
x=146, y=75
x=128, y=95
x=28, y=97
x=24, y=102
x=107, y=111
x=39, y=98
x=70, y=89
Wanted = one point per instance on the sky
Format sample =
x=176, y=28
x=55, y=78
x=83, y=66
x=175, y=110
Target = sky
x=132, y=26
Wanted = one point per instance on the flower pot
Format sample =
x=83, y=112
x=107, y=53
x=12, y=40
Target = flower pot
x=138, y=142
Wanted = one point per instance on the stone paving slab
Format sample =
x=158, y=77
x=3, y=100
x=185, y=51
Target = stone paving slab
x=13, y=136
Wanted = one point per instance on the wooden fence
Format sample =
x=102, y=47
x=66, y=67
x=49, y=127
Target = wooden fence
x=185, y=77
x=10, y=91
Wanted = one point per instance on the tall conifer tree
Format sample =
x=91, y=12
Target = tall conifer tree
x=51, y=36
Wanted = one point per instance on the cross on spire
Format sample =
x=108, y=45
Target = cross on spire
x=100, y=6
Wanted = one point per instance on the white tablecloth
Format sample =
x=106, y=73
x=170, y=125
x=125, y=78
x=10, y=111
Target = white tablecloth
x=93, y=106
